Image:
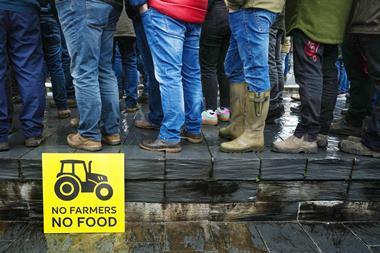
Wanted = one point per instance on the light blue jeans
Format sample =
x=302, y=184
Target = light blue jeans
x=247, y=56
x=88, y=26
x=175, y=50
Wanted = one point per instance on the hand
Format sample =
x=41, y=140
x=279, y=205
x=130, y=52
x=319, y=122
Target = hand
x=143, y=8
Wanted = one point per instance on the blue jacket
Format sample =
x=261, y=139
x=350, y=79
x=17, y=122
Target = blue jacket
x=20, y=5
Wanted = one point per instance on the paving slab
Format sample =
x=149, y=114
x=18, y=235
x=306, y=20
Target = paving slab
x=364, y=191
x=369, y=233
x=366, y=169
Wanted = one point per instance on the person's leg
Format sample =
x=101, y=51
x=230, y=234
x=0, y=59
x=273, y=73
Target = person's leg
x=127, y=46
x=4, y=95
x=66, y=68
x=273, y=76
x=109, y=91
x=26, y=54
x=51, y=39
x=155, y=115
x=330, y=87
x=191, y=79
x=224, y=87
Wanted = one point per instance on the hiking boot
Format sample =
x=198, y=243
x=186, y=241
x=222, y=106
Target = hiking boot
x=252, y=139
x=209, y=117
x=193, y=138
x=145, y=124
x=357, y=148
x=275, y=114
x=64, y=114
x=112, y=140
x=342, y=127
x=223, y=114
x=354, y=139
x=236, y=128
x=78, y=142
x=33, y=142
x=295, y=145
x=4, y=146
x=322, y=141
x=160, y=145
x=71, y=103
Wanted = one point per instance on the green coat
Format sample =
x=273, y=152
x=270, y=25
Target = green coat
x=275, y=6
x=323, y=21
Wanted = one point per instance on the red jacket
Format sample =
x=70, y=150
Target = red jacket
x=190, y=11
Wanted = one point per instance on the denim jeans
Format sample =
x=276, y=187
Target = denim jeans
x=175, y=50
x=88, y=26
x=155, y=115
x=20, y=39
x=52, y=44
x=247, y=56
x=276, y=75
x=127, y=49
x=66, y=69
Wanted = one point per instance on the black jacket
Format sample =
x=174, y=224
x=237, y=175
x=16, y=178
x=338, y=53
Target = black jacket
x=365, y=17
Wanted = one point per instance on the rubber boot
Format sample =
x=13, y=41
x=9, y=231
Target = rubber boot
x=252, y=139
x=238, y=93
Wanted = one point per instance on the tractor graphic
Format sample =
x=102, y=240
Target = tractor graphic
x=69, y=184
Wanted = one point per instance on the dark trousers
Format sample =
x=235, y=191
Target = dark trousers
x=367, y=47
x=362, y=87
x=52, y=45
x=317, y=76
x=276, y=73
x=214, y=44
x=20, y=38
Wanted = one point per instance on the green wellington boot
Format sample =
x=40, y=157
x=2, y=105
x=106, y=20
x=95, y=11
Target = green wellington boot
x=252, y=139
x=237, y=97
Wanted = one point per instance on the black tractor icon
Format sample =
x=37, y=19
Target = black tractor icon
x=69, y=184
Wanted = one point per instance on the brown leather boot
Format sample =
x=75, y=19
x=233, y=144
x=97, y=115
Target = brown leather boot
x=238, y=93
x=79, y=142
x=112, y=140
x=252, y=139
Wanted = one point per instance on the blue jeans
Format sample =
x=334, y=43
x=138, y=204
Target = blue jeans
x=247, y=56
x=127, y=49
x=175, y=50
x=20, y=38
x=155, y=115
x=51, y=39
x=88, y=26
x=66, y=68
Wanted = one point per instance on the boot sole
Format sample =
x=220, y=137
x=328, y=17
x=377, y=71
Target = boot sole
x=241, y=151
x=116, y=143
x=191, y=140
x=297, y=151
x=91, y=149
x=168, y=150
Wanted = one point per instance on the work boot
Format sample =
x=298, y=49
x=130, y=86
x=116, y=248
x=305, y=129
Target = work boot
x=4, y=146
x=252, y=139
x=295, y=145
x=236, y=127
x=193, y=138
x=112, y=140
x=160, y=145
x=71, y=103
x=144, y=123
x=33, y=142
x=322, y=141
x=78, y=142
x=64, y=114
x=357, y=148
x=342, y=127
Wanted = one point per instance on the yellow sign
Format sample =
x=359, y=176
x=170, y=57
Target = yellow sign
x=83, y=193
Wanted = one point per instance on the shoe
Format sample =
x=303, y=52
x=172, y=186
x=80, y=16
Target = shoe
x=112, y=140
x=74, y=122
x=341, y=127
x=160, y=145
x=64, y=114
x=295, y=97
x=357, y=148
x=131, y=109
x=193, y=138
x=209, y=117
x=295, y=145
x=322, y=141
x=33, y=142
x=71, y=103
x=354, y=139
x=145, y=124
x=143, y=99
x=4, y=146
x=296, y=109
x=223, y=114
x=344, y=111
x=252, y=139
x=275, y=114
x=238, y=93
x=79, y=142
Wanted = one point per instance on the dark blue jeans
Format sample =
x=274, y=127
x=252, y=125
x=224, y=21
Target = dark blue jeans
x=52, y=44
x=127, y=49
x=88, y=26
x=175, y=50
x=247, y=56
x=20, y=38
x=66, y=68
x=155, y=115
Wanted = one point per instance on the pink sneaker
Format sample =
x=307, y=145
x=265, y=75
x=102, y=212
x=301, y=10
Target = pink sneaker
x=223, y=114
x=209, y=117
